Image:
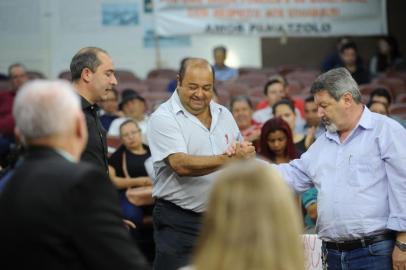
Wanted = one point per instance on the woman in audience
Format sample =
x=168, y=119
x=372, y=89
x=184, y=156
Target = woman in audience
x=242, y=110
x=276, y=143
x=251, y=222
x=277, y=146
x=286, y=110
x=378, y=107
x=129, y=175
x=387, y=56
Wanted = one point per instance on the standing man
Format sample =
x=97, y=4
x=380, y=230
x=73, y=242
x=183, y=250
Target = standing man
x=189, y=137
x=359, y=169
x=56, y=212
x=93, y=76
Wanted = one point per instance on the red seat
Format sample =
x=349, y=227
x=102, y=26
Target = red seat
x=137, y=86
x=366, y=89
x=398, y=109
x=163, y=73
x=33, y=75
x=65, y=75
x=124, y=75
x=252, y=79
x=157, y=84
x=396, y=85
x=401, y=98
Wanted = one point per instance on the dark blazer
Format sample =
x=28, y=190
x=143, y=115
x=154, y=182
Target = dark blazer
x=56, y=214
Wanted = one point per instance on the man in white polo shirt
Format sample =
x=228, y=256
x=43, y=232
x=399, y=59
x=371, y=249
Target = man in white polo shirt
x=190, y=138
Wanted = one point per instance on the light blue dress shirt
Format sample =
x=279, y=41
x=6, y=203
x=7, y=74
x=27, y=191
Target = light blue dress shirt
x=361, y=182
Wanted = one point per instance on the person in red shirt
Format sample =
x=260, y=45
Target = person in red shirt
x=18, y=77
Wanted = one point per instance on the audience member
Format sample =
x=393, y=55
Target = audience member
x=93, y=77
x=284, y=109
x=18, y=77
x=333, y=60
x=55, y=211
x=127, y=171
x=378, y=107
x=358, y=169
x=276, y=143
x=313, y=127
x=242, y=110
x=110, y=109
x=190, y=138
x=387, y=56
x=133, y=107
x=275, y=90
x=251, y=222
x=382, y=95
x=222, y=71
x=349, y=58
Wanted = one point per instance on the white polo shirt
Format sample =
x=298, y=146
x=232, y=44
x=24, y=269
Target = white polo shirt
x=172, y=129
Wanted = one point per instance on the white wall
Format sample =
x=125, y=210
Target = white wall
x=45, y=34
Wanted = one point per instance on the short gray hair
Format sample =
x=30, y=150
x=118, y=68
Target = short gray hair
x=337, y=82
x=43, y=108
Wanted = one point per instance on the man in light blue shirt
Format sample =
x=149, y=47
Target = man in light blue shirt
x=359, y=169
x=190, y=138
x=222, y=71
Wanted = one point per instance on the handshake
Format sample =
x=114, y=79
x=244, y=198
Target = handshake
x=241, y=150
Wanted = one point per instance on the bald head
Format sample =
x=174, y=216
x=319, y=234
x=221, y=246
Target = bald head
x=191, y=63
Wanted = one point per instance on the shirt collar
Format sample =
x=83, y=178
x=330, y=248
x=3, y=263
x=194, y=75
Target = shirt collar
x=178, y=107
x=366, y=119
x=364, y=122
x=86, y=104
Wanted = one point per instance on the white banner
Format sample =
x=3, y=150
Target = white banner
x=271, y=18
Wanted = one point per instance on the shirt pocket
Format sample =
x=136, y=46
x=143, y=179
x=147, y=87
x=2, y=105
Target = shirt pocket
x=362, y=169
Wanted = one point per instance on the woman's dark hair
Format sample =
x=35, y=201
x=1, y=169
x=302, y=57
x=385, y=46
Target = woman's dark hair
x=270, y=126
x=383, y=62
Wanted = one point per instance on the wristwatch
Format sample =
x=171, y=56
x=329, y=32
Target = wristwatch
x=401, y=245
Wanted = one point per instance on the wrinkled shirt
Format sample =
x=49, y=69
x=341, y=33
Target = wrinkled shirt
x=361, y=182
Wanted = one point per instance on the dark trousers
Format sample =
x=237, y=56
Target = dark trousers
x=175, y=233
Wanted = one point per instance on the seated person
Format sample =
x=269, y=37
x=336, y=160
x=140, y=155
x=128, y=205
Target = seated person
x=128, y=173
x=387, y=56
x=276, y=143
x=378, y=107
x=313, y=127
x=284, y=109
x=133, y=106
x=309, y=204
x=349, y=58
x=275, y=90
x=382, y=95
x=242, y=110
x=222, y=71
x=110, y=109
x=251, y=222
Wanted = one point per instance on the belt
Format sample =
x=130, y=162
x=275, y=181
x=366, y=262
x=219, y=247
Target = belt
x=176, y=207
x=358, y=243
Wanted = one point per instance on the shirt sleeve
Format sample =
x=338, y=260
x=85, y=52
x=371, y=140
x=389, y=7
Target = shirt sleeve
x=164, y=137
x=295, y=172
x=394, y=155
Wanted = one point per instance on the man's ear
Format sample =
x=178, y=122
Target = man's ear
x=348, y=98
x=178, y=81
x=86, y=74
